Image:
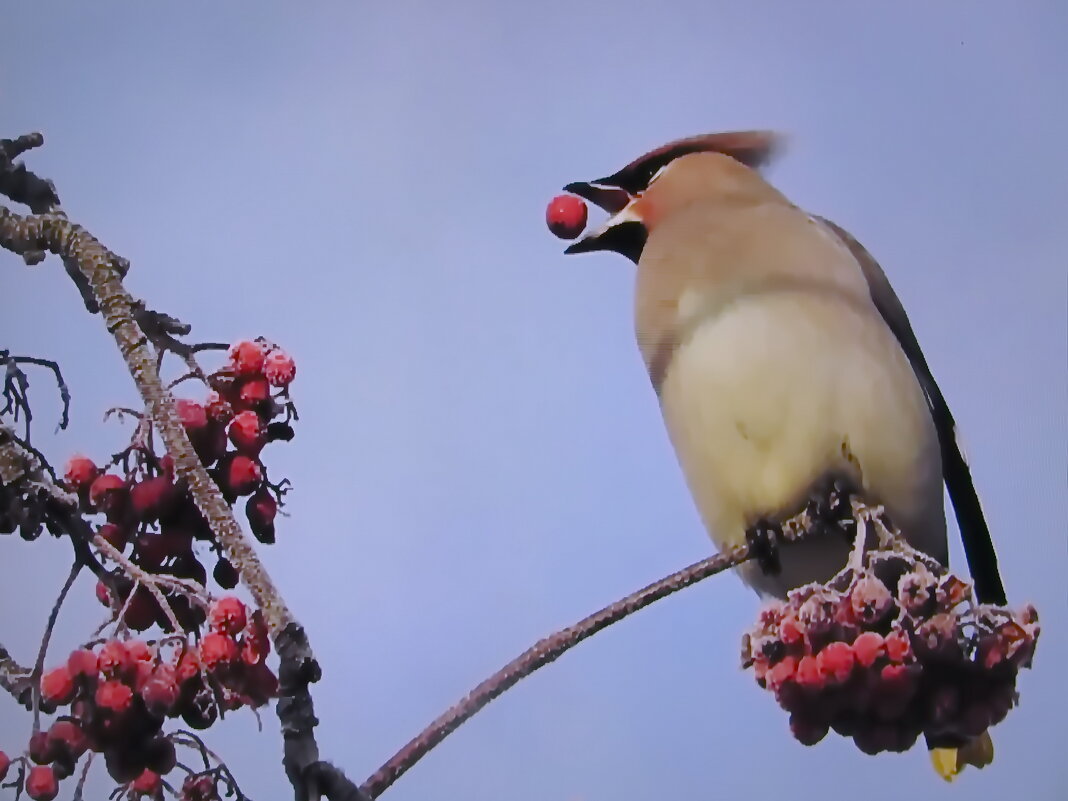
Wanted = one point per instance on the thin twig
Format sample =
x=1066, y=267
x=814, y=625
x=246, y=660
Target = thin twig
x=38, y=667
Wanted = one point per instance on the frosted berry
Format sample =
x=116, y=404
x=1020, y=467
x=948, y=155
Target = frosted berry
x=152, y=498
x=41, y=783
x=868, y=647
x=148, y=783
x=241, y=475
x=80, y=472
x=107, y=492
x=247, y=433
x=114, y=660
x=113, y=696
x=246, y=358
x=566, y=216
x=217, y=651
x=871, y=600
x=218, y=408
x=279, y=368
x=69, y=739
x=194, y=416
x=254, y=393
x=57, y=686
x=228, y=616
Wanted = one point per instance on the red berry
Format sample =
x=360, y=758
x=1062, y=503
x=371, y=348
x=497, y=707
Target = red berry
x=808, y=674
x=57, y=686
x=152, y=498
x=192, y=415
x=247, y=433
x=160, y=693
x=254, y=393
x=69, y=739
x=80, y=472
x=241, y=475
x=790, y=630
x=566, y=216
x=41, y=749
x=103, y=594
x=279, y=368
x=218, y=408
x=114, y=660
x=114, y=696
x=187, y=664
x=217, y=651
x=41, y=783
x=5, y=763
x=781, y=672
x=257, y=644
x=209, y=442
x=836, y=662
x=260, y=510
x=868, y=647
x=898, y=647
x=148, y=783
x=246, y=358
x=115, y=535
x=228, y=615
x=107, y=492
x=199, y=788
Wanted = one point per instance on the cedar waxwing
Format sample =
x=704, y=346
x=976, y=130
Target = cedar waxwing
x=783, y=360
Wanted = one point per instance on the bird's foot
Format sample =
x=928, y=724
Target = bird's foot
x=763, y=542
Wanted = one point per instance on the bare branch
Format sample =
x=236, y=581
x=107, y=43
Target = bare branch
x=42, y=653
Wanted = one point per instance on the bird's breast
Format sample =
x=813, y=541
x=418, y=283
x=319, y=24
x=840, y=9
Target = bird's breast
x=768, y=394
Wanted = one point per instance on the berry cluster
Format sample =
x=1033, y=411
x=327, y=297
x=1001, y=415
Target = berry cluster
x=119, y=694
x=890, y=651
x=151, y=512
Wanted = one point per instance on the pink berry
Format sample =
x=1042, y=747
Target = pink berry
x=566, y=216
x=217, y=651
x=228, y=615
x=69, y=739
x=898, y=647
x=279, y=368
x=114, y=696
x=148, y=783
x=57, y=686
x=107, y=492
x=247, y=433
x=152, y=498
x=82, y=663
x=246, y=358
x=41, y=783
x=254, y=393
x=868, y=647
x=80, y=472
x=241, y=474
x=781, y=672
x=808, y=674
x=193, y=416
x=836, y=662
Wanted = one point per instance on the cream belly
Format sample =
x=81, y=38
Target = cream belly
x=763, y=402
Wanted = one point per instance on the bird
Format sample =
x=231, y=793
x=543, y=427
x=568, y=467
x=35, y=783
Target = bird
x=783, y=359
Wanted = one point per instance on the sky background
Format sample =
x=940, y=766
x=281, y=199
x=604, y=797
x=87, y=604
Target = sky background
x=480, y=459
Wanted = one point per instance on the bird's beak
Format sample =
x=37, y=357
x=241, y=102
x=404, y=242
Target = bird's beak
x=624, y=232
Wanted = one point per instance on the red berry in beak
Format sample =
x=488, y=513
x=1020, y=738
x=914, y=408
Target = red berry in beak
x=566, y=216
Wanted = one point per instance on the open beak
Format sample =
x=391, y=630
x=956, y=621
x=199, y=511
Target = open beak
x=623, y=232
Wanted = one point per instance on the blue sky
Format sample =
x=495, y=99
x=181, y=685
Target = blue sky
x=480, y=458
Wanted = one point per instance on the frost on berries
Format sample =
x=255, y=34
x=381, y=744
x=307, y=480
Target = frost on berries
x=892, y=650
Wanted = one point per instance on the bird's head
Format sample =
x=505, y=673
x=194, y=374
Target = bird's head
x=667, y=179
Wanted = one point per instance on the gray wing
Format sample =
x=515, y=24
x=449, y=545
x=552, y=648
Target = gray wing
x=978, y=546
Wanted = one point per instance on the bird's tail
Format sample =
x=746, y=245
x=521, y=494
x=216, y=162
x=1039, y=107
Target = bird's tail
x=949, y=762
